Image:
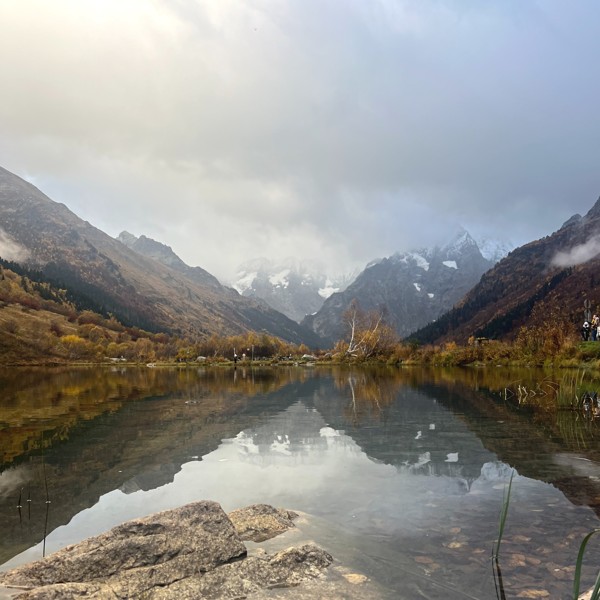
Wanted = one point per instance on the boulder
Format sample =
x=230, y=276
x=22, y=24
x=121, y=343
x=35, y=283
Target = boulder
x=193, y=551
x=261, y=522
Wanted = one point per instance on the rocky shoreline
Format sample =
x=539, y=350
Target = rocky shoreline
x=194, y=551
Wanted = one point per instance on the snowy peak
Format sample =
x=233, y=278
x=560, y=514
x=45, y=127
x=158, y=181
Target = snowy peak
x=294, y=287
x=411, y=288
x=460, y=244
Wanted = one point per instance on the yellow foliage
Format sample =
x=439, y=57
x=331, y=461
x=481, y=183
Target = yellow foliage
x=77, y=347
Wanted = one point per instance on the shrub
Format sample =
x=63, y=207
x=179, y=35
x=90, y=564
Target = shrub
x=77, y=347
x=11, y=326
x=56, y=329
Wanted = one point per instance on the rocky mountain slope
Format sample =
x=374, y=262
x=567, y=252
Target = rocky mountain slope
x=556, y=273
x=295, y=288
x=410, y=289
x=164, y=254
x=136, y=288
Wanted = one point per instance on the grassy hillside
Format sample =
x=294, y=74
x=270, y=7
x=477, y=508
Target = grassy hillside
x=41, y=323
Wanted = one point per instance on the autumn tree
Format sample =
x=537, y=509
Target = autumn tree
x=548, y=332
x=369, y=335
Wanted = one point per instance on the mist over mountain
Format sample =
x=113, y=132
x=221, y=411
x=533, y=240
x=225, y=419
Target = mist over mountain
x=494, y=249
x=410, y=289
x=294, y=287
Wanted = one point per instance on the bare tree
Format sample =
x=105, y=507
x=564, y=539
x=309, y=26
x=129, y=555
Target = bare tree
x=369, y=335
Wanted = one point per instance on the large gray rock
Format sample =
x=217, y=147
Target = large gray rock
x=261, y=522
x=288, y=568
x=189, y=552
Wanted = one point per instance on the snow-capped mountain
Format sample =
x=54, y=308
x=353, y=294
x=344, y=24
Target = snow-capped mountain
x=410, y=288
x=494, y=249
x=294, y=287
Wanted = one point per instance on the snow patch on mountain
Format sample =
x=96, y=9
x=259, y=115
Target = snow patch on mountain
x=450, y=264
x=421, y=261
x=416, y=257
x=328, y=289
x=281, y=279
x=493, y=249
x=294, y=287
x=245, y=282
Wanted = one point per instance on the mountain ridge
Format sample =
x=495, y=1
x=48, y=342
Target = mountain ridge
x=292, y=286
x=164, y=254
x=409, y=288
x=137, y=289
x=559, y=272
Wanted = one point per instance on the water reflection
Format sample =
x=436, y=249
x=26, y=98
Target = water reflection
x=405, y=470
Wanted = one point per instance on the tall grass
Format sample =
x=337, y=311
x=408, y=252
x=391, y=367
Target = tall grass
x=499, y=585
x=595, y=594
x=576, y=583
x=571, y=389
x=503, y=515
x=565, y=394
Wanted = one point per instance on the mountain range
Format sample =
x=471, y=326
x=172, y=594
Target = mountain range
x=147, y=287
x=543, y=280
x=295, y=288
x=451, y=292
x=409, y=289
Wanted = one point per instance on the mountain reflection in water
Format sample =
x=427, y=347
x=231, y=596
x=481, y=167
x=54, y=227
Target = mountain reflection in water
x=404, y=471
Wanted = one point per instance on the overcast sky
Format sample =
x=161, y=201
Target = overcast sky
x=342, y=130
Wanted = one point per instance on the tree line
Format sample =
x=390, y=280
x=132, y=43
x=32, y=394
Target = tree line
x=41, y=320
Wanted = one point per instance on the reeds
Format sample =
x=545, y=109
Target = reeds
x=565, y=394
x=577, y=580
x=503, y=515
x=500, y=594
x=496, y=551
x=571, y=389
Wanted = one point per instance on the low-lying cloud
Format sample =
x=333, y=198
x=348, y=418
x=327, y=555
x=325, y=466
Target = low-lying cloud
x=11, y=250
x=578, y=254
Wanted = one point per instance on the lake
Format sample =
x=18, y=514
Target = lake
x=402, y=472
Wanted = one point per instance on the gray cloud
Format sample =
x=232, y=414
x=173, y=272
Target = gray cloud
x=343, y=130
x=578, y=254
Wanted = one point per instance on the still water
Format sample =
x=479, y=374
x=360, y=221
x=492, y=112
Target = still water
x=402, y=472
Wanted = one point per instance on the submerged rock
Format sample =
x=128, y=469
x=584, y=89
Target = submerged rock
x=193, y=551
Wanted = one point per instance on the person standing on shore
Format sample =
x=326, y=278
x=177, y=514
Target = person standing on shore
x=585, y=331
